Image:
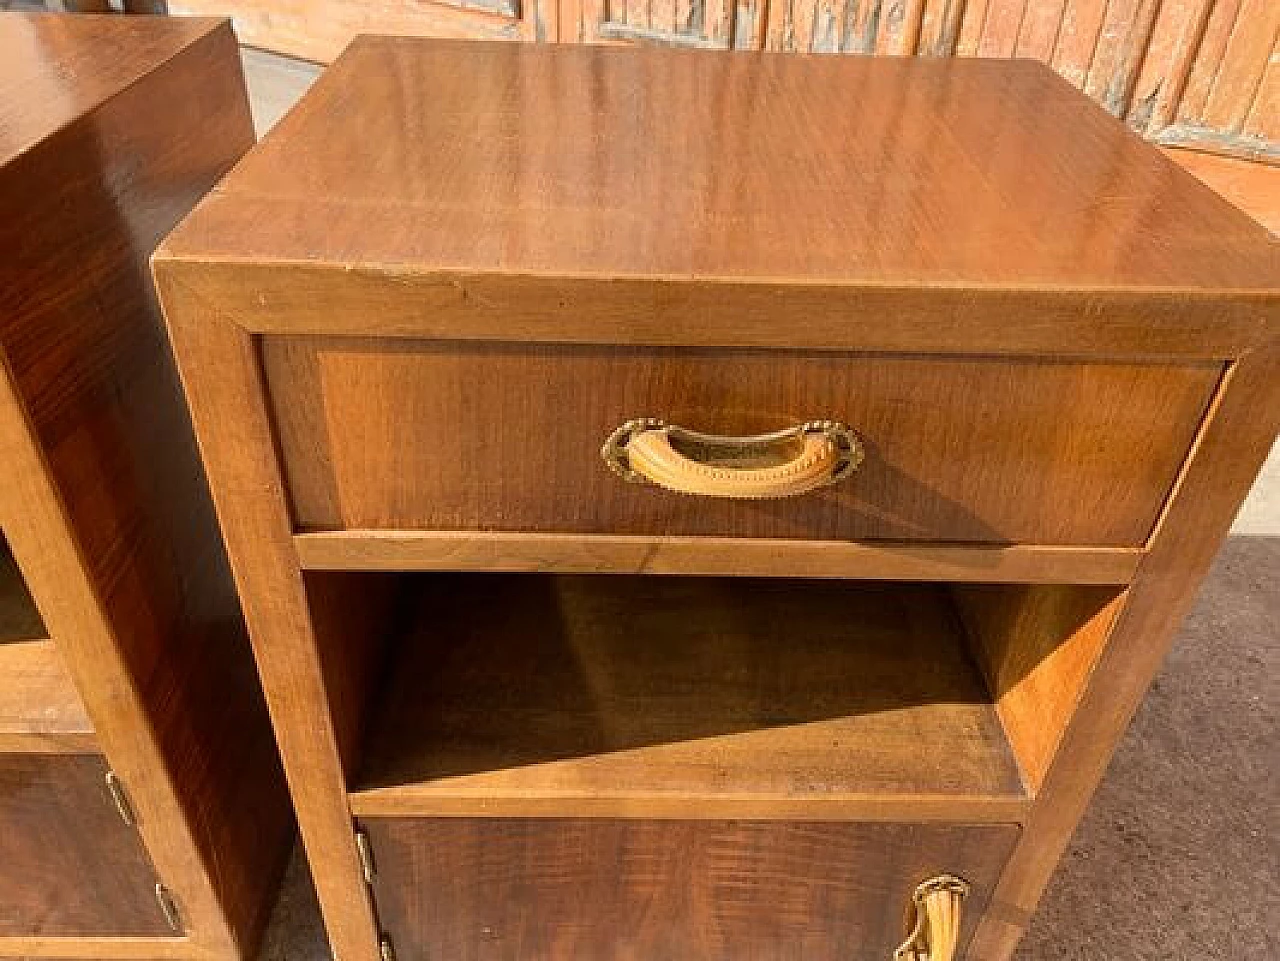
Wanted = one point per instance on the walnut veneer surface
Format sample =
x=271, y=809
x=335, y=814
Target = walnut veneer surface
x=1060, y=347
x=137, y=662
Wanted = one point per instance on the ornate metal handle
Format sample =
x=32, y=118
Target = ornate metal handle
x=786, y=463
x=935, y=920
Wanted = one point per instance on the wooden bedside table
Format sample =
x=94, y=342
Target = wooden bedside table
x=143, y=812
x=993, y=372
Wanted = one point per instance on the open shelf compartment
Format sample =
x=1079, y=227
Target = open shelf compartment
x=40, y=708
x=620, y=695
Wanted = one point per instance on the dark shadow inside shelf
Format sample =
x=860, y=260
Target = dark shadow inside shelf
x=550, y=681
x=19, y=619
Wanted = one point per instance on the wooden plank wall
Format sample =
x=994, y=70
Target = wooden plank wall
x=1202, y=73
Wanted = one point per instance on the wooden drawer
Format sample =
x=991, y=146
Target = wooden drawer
x=643, y=890
x=71, y=866
x=384, y=433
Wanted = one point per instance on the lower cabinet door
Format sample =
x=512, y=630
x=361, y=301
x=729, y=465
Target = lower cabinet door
x=69, y=864
x=646, y=890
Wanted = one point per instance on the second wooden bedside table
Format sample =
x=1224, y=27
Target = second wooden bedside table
x=143, y=810
x=988, y=366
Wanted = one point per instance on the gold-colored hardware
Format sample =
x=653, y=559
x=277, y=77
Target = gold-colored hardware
x=115, y=787
x=386, y=950
x=785, y=463
x=935, y=920
x=367, y=868
x=169, y=908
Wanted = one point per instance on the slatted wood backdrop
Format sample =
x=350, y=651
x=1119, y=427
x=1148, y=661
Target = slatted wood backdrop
x=1203, y=73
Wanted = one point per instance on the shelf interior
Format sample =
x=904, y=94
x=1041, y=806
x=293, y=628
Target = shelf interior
x=40, y=708
x=619, y=695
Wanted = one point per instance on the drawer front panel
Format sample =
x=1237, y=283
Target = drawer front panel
x=599, y=890
x=69, y=865
x=415, y=435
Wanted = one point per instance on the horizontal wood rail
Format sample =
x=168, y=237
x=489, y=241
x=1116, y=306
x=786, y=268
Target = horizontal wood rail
x=373, y=550
x=124, y=948
x=416, y=801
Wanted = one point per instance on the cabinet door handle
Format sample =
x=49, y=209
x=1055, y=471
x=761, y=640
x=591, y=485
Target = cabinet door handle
x=935, y=917
x=786, y=463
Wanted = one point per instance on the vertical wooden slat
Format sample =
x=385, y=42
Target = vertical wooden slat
x=912, y=19
x=778, y=25
x=682, y=16
x=1243, y=64
x=1077, y=38
x=892, y=21
x=861, y=24
x=662, y=15
x=637, y=12
x=1179, y=30
x=828, y=22
x=1000, y=35
x=571, y=27
x=1204, y=71
x=546, y=16
x=750, y=21
x=952, y=17
x=1108, y=51
x=716, y=20
x=1121, y=49
x=971, y=27
x=930, y=26
x=1264, y=117
x=1038, y=34
x=940, y=27
x=802, y=16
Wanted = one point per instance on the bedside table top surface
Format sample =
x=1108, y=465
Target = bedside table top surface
x=55, y=68
x=428, y=155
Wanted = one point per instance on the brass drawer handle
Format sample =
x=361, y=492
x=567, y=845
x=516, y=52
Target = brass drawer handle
x=786, y=463
x=935, y=920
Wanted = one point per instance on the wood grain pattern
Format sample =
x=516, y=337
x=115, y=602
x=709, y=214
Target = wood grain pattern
x=53, y=76
x=401, y=434
x=731, y=696
x=1037, y=647
x=104, y=504
x=70, y=864
x=486, y=185
x=390, y=550
x=650, y=891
